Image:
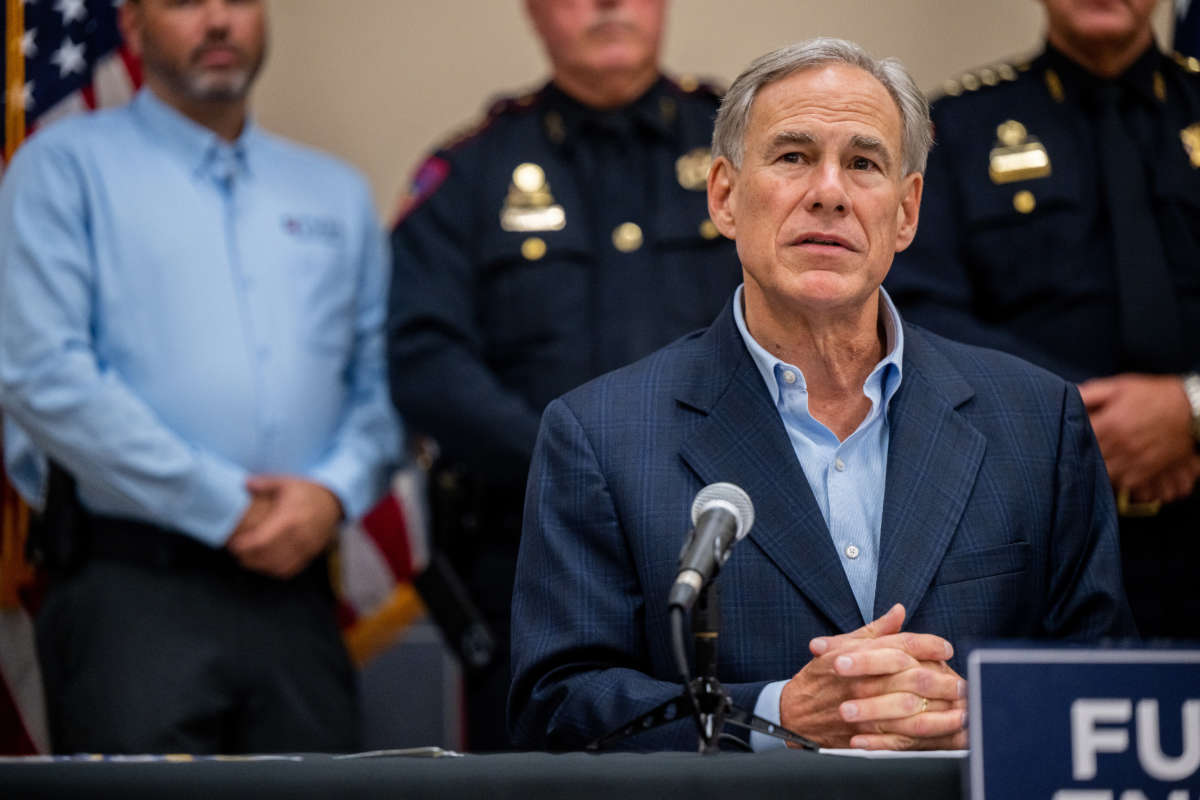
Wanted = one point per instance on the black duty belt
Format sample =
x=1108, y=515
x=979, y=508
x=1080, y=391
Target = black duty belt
x=153, y=546
x=149, y=545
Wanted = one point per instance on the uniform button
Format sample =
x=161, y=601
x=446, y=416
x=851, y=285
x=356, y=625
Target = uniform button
x=533, y=248
x=529, y=178
x=839, y=465
x=708, y=229
x=851, y=551
x=1024, y=201
x=789, y=376
x=627, y=237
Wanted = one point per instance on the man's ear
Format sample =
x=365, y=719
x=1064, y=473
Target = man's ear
x=129, y=20
x=721, y=198
x=911, y=187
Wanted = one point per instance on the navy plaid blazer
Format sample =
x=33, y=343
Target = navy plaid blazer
x=998, y=522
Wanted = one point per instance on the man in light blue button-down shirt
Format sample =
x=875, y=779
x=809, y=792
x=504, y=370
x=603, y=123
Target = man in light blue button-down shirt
x=190, y=327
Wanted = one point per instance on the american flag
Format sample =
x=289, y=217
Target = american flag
x=60, y=57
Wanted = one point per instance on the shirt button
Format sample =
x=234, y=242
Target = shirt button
x=851, y=551
x=839, y=465
x=789, y=376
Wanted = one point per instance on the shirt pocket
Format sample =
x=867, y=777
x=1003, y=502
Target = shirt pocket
x=534, y=286
x=1026, y=239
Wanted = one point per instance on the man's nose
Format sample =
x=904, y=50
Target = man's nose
x=217, y=15
x=827, y=192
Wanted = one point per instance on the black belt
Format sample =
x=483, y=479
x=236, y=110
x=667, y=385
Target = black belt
x=144, y=544
x=149, y=545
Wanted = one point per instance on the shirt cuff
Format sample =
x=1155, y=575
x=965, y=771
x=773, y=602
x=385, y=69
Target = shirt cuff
x=217, y=504
x=354, y=490
x=767, y=707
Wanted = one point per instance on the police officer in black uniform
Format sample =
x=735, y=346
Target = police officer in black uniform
x=565, y=236
x=1061, y=222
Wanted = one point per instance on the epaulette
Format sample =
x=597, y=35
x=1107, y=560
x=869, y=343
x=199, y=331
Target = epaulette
x=1187, y=63
x=983, y=77
x=690, y=84
x=496, y=108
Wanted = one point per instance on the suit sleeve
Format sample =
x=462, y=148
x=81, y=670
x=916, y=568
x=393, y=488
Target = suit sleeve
x=440, y=379
x=1086, y=601
x=582, y=665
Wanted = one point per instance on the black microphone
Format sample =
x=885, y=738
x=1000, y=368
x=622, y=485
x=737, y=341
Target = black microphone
x=721, y=514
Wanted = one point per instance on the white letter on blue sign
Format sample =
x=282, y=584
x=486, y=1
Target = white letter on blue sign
x=1087, y=740
x=1150, y=754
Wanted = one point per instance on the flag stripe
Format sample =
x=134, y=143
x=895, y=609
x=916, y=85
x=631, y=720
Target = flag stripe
x=385, y=525
x=15, y=571
x=133, y=67
x=22, y=704
x=14, y=739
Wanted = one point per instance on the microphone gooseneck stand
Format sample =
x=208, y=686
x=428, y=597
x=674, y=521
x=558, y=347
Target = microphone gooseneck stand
x=703, y=698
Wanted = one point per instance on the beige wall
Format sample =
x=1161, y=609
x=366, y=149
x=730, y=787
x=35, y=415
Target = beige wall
x=379, y=82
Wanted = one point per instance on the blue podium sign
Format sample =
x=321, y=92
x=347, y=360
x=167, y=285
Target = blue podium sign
x=1076, y=724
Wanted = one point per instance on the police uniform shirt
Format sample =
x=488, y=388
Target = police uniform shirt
x=549, y=245
x=1015, y=244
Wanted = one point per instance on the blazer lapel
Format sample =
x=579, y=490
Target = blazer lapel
x=934, y=457
x=742, y=440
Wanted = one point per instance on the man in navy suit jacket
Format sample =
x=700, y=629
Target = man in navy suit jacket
x=895, y=475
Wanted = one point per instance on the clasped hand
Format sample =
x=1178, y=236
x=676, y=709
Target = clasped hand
x=288, y=522
x=1143, y=426
x=878, y=689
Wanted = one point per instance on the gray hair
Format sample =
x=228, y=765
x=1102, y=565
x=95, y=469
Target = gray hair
x=729, y=133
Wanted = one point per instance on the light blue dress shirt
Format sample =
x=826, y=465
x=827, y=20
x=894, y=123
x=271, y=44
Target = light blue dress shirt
x=847, y=478
x=178, y=313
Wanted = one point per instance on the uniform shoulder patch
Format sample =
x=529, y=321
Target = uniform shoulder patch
x=981, y=78
x=425, y=181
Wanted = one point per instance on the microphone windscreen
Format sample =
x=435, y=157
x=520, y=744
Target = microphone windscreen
x=729, y=496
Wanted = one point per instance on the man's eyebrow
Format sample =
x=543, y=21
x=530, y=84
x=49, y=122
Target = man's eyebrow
x=871, y=144
x=789, y=139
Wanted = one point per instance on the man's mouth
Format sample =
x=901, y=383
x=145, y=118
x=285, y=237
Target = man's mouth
x=824, y=241
x=217, y=56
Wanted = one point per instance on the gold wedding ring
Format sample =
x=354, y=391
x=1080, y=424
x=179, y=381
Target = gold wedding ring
x=924, y=705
